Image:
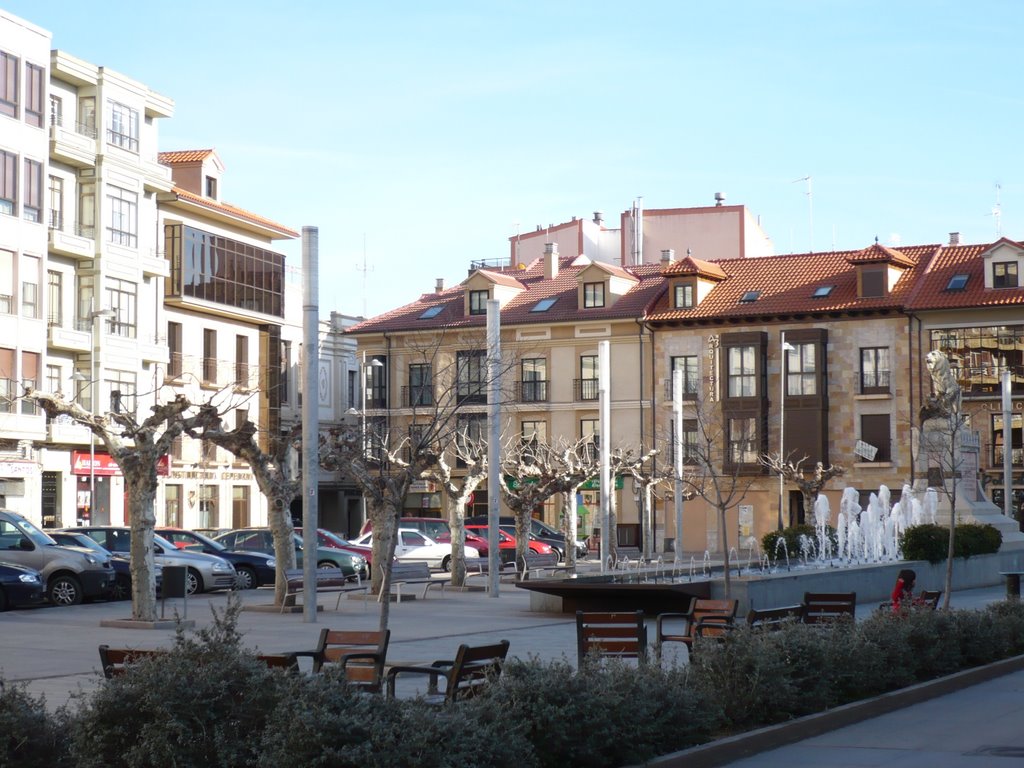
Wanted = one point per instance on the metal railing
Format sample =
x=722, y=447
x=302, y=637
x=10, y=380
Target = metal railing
x=585, y=389
x=535, y=391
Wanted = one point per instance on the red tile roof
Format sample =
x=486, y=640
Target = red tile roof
x=691, y=266
x=880, y=254
x=500, y=278
x=184, y=194
x=931, y=289
x=183, y=156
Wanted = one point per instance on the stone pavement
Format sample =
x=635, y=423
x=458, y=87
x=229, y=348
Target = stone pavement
x=53, y=650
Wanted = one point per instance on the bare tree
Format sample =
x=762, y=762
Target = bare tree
x=137, y=447
x=810, y=482
x=717, y=459
x=537, y=471
x=276, y=475
x=640, y=466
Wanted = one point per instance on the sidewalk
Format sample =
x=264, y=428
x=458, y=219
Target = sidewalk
x=54, y=651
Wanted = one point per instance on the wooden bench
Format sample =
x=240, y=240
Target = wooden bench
x=413, y=573
x=465, y=676
x=327, y=580
x=611, y=634
x=361, y=655
x=774, y=618
x=704, y=618
x=819, y=607
x=115, y=661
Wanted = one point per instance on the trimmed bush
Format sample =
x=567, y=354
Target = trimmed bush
x=33, y=738
x=931, y=542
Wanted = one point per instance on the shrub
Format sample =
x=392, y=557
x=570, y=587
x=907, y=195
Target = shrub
x=34, y=738
x=792, y=535
x=931, y=542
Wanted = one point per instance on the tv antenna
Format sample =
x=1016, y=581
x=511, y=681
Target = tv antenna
x=364, y=268
x=997, y=212
x=810, y=208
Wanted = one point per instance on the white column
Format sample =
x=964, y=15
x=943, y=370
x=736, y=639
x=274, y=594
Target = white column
x=310, y=420
x=604, y=424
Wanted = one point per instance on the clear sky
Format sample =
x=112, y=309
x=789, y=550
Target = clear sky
x=421, y=135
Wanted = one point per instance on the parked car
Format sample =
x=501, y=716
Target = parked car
x=205, y=572
x=122, y=586
x=327, y=538
x=71, y=576
x=262, y=540
x=417, y=546
x=20, y=586
x=254, y=569
x=507, y=543
x=538, y=529
x=437, y=529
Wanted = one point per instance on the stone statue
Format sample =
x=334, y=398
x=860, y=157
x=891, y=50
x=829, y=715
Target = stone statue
x=945, y=398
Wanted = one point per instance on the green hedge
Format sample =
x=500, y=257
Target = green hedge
x=209, y=703
x=931, y=542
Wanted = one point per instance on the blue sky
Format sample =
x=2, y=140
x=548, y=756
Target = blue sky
x=424, y=134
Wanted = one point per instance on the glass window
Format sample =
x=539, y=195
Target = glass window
x=34, y=95
x=30, y=372
x=691, y=376
x=590, y=431
x=8, y=84
x=535, y=431
x=588, y=382
x=122, y=391
x=240, y=506
x=32, y=208
x=53, y=377
x=471, y=433
x=691, y=454
x=478, y=302
x=1004, y=274
x=286, y=368
x=56, y=203
x=174, y=345
x=241, y=360
x=874, y=370
x=208, y=506
x=124, y=127
x=999, y=440
x=874, y=430
x=534, y=383
x=421, y=386
x=123, y=217
x=377, y=382
x=684, y=296
x=742, y=440
x=56, y=110
x=872, y=282
x=209, y=356
x=121, y=299
x=471, y=369
x=8, y=183
x=6, y=283
x=593, y=295
x=742, y=371
x=801, y=369
x=54, y=298
x=172, y=506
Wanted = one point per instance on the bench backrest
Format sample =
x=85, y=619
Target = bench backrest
x=828, y=606
x=361, y=654
x=409, y=570
x=773, y=618
x=474, y=667
x=325, y=577
x=114, y=661
x=930, y=598
x=286, y=661
x=619, y=634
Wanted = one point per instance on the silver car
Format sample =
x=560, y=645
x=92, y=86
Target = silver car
x=205, y=572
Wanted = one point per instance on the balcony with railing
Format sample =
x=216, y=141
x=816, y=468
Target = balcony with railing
x=154, y=263
x=585, y=389
x=535, y=391
x=689, y=389
x=73, y=143
x=67, y=238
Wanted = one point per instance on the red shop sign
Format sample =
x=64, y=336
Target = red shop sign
x=103, y=465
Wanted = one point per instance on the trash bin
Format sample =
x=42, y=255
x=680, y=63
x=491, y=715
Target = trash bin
x=174, y=581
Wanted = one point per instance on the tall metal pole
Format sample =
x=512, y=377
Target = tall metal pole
x=677, y=456
x=1008, y=444
x=493, y=444
x=310, y=419
x=782, y=419
x=604, y=425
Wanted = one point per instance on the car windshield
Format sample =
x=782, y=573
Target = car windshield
x=201, y=541
x=331, y=536
x=161, y=541
x=36, y=535
x=80, y=540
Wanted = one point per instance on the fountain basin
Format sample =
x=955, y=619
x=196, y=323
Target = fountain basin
x=612, y=593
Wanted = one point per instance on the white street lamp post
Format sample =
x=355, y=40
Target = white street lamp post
x=783, y=349
x=94, y=375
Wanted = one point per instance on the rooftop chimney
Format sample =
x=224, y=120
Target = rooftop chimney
x=599, y=217
x=550, y=261
x=954, y=238
x=439, y=285
x=667, y=257
x=719, y=199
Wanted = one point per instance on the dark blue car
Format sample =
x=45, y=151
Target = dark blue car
x=119, y=561
x=19, y=586
x=253, y=568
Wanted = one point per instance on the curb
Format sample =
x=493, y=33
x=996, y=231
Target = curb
x=727, y=750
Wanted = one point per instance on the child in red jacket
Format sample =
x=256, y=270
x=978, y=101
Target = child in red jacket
x=903, y=592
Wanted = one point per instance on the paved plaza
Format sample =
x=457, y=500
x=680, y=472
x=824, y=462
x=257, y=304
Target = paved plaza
x=53, y=650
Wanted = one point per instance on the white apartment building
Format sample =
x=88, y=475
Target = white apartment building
x=24, y=62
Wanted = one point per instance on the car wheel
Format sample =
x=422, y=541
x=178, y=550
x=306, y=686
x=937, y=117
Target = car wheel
x=64, y=590
x=446, y=564
x=193, y=582
x=246, y=578
x=122, y=589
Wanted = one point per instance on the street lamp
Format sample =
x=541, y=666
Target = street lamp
x=93, y=401
x=783, y=349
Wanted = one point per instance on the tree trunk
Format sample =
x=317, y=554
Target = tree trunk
x=725, y=551
x=570, y=525
x=522, y=534
x=385, y=537
x=457, y=525
x=141, y=498
x=280, y=520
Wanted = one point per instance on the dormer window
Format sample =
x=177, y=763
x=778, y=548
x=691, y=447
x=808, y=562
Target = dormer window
x=1004, y=274
x=211, y=187
x=872, y=281
x=684, y=296
x=478, y=302
x=593, y=295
